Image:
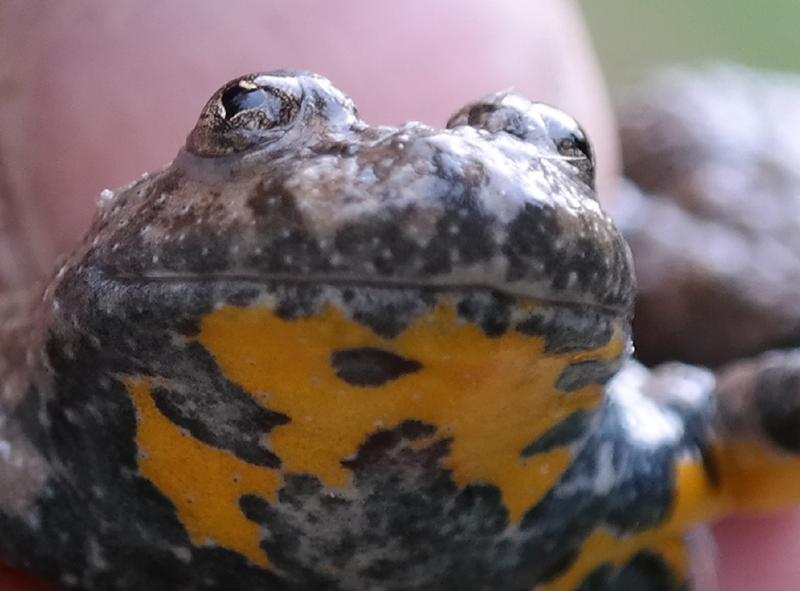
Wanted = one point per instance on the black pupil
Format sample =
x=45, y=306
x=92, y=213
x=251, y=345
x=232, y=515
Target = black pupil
x=238, y=99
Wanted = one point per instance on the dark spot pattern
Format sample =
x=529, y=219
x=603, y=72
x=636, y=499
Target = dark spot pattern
x=218, y=412
x=569, y=431
x=462, y=238
x=371, y=367
x=531, y=238
x=577, y=263
x=387, y=312
x=490, y=311
x=391, y=535
x=96, y=524
x=415, y=529
x=113, y=328
x=285, y=243
x=584, y=373
x=568, y=329
x=295, y=302
x=377, y=243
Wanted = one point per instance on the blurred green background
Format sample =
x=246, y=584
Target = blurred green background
x=633, y=36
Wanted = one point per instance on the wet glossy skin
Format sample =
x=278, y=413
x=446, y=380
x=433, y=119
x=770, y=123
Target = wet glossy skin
x=314, y=354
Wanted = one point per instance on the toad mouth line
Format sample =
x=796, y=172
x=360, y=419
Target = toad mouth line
x=432, y=284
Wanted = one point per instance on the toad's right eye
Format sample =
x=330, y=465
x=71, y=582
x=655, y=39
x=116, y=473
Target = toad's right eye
x=537, y=123
x=244, y=114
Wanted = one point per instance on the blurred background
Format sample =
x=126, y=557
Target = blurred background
x=634, y=36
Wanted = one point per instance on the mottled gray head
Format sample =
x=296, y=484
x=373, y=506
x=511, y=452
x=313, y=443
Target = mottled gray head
x=281, y=181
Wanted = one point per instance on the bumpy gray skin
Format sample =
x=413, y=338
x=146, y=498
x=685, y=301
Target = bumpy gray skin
x=715, y=230
x=283, y=195
x=490, y=202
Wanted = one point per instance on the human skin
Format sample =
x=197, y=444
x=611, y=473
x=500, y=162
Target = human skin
x=92, y=94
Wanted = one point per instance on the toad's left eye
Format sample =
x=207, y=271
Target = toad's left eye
x=569, y=138
x=245, y=113
x=258, y=107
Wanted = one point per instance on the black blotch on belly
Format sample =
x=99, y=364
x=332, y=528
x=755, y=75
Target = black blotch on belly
x=196, y=396
x=403, y=523
x=585, y=373
x=371, y=367
x=565, y=433
x=243, y=436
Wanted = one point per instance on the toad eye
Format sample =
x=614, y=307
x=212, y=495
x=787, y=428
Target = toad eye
x=249, y=106
x=246, y=113
x=569, y=138
x=535, y=123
